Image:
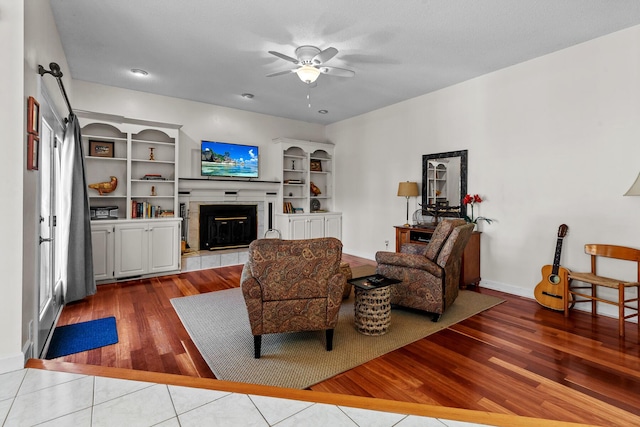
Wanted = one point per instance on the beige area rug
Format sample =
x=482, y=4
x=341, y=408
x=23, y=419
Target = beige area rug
x=219, y=326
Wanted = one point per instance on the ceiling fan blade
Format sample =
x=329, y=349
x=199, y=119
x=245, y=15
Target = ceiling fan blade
x=281, y=73
x=340, y=72
x=325, y=55
x=283, y=56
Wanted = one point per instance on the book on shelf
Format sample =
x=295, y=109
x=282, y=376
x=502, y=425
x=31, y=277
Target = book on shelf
x=147, y=210
x=287, y=208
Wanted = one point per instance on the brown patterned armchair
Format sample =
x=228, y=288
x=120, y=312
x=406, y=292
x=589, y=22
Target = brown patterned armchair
x=430, y=274
x=293, y=285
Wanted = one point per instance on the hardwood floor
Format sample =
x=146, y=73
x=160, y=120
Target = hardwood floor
x=516, y=358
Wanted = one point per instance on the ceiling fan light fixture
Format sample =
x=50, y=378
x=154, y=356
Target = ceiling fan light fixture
x=308, y=73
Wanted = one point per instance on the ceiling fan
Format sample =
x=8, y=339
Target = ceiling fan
x=311, y=63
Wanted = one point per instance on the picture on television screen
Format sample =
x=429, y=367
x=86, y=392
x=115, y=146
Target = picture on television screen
x=228, y=160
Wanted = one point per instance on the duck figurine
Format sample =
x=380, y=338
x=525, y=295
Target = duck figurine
x=105, y=187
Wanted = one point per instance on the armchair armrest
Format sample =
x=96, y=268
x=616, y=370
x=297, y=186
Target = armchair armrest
x=252, y=293
x=419, y=262
x=335, y=286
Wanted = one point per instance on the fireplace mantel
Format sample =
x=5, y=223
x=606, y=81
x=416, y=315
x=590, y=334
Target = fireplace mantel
x=195, y=192
x=205, y=187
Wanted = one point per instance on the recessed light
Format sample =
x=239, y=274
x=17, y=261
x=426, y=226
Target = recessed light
x=139, y=72
x=323, y=111
x=247, y=95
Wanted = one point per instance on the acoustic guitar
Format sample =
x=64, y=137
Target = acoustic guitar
x=550, y=291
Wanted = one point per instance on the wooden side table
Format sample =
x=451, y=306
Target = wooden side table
x=470, y=268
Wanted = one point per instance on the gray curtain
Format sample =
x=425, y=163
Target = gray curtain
x=79, y=281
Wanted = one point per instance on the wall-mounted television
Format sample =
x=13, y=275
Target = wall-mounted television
x=228, y=160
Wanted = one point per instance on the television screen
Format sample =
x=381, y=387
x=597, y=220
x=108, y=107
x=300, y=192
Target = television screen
x=228, y=160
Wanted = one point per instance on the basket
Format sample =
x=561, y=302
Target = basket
x=372, y=310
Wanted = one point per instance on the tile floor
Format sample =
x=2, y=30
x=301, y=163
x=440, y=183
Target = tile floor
x=30, y=397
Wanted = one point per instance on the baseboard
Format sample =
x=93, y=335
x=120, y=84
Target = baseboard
x=12, y=362
x=603, y=309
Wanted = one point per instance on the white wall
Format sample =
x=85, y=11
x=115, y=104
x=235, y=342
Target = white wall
x=12, y=125
x=199, y=121
x=553, y=140
x=29, y=38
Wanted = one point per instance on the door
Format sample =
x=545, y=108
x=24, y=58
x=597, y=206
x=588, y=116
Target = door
x=102, y=244
x=315, y=227
x=164, y=246
x=131, y=249
x=297, y=227
x=49, y=286
x=333, y=226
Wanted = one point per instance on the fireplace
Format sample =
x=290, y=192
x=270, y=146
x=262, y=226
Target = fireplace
x=227, y=226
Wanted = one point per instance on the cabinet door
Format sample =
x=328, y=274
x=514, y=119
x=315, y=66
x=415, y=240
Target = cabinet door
x=164, y=247
x=298, y=227
x=333, y=226
x=102, y=248
x=315, y=227
x=131, y=249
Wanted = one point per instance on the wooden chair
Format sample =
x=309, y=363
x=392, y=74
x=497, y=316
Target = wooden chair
x=592, y=280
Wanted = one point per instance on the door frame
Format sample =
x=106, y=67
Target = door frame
x=48, y=312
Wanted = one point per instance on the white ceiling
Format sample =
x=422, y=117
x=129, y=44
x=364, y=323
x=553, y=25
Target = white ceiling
x=212, y=51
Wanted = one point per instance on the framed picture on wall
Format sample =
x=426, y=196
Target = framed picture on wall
x=33, y=152
x=101, y=148
x=33, y=116
x=316, y=165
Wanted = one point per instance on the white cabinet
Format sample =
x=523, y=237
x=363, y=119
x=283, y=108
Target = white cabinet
x=307, y=190
x=132, y=244
x=144, y=248
x=139, y=157
x=102, y=239
x=436, y=182
x=310, y=226
x=163, y=237
x=333, y=226
x=135, y=248
x=307, y=175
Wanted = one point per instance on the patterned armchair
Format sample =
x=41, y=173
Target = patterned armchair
x=293, y=285
x=430, y=274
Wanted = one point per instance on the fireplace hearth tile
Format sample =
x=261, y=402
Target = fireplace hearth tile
x=243, y=257
x=210, y=261
x=229, y=259
x=191, y=263
x=201, y=260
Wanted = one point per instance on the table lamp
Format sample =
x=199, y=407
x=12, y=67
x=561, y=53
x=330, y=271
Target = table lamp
x=635, y=188
x=408, y=189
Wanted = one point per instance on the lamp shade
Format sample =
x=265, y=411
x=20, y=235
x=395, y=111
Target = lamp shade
x=408, y=189
x=635, y=188
x=308, y=74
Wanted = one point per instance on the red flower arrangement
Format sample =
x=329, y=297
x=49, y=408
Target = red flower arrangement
x=470, y=200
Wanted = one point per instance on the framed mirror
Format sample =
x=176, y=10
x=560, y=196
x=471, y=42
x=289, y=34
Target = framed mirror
x=444, y=184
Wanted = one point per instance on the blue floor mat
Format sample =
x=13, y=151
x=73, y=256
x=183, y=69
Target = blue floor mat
x=83, y=336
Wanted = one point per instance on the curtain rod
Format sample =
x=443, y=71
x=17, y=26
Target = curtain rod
x=55, y=72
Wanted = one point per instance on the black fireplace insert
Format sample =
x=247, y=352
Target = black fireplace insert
x=227, y=226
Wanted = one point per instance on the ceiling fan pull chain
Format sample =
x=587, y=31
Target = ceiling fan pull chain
x=309, y=94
